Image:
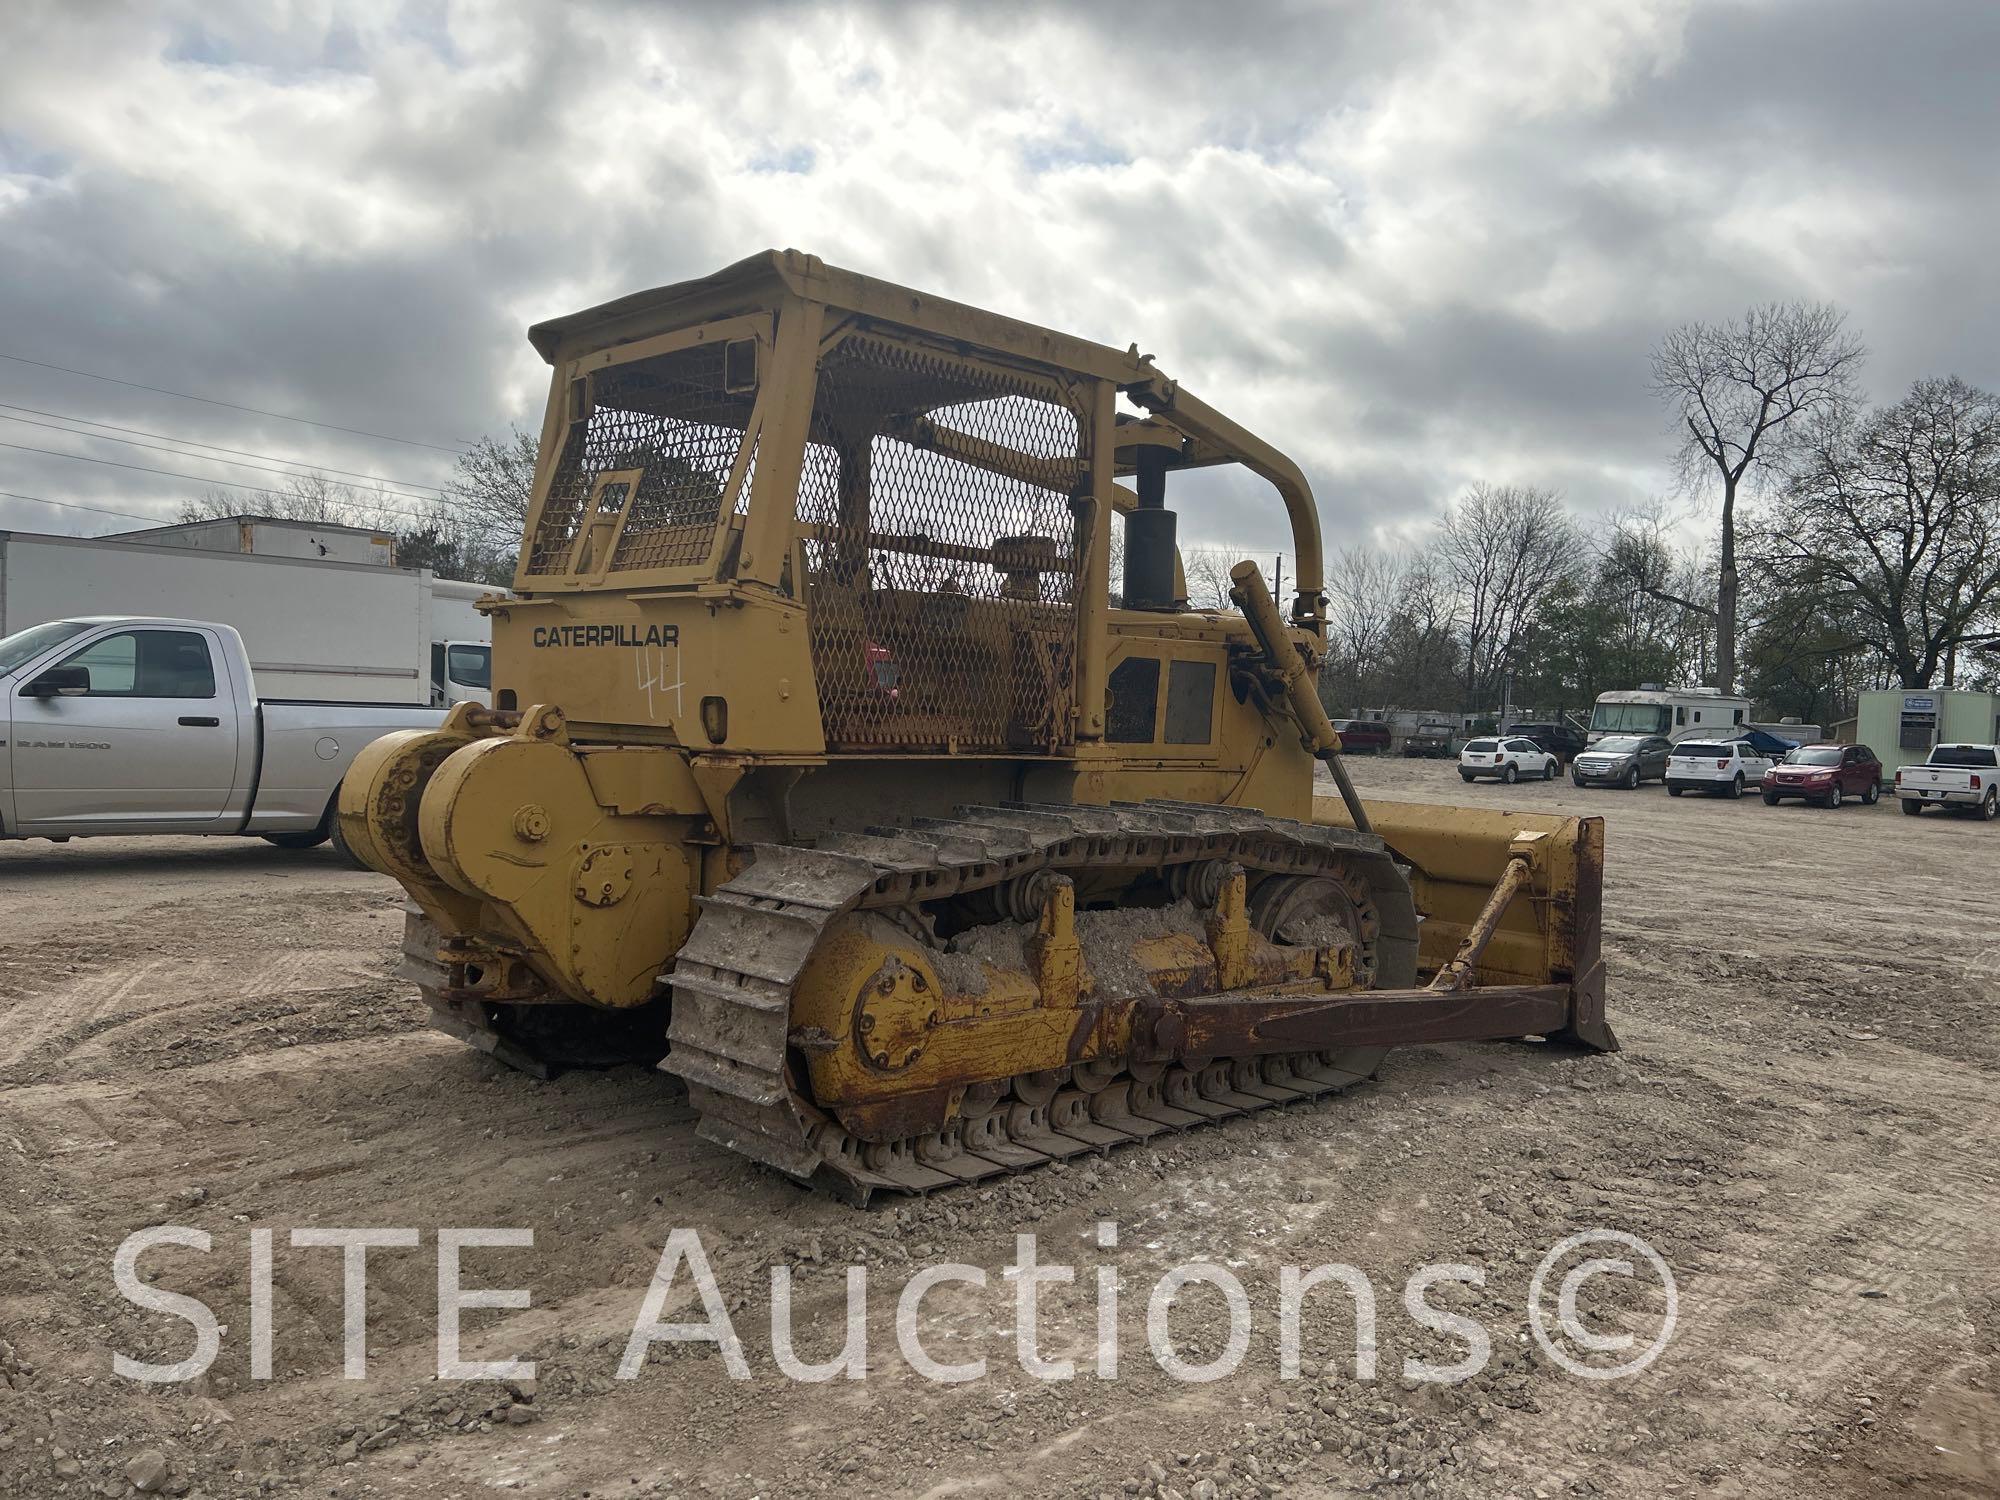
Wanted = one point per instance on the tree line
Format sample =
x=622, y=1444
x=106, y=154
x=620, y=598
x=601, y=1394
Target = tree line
x=1857, y=547
x=1508, y=583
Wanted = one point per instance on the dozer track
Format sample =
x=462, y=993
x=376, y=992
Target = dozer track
x=734, y=980
x=733, y=984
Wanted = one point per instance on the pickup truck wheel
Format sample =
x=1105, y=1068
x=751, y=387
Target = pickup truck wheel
x=1990, y=808
x=1510, y=773
x=307, y=838
x=1833, y=796
x=340, y=843
x=1912, y=808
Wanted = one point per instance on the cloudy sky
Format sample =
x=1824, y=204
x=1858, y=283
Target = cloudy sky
x=1414, y=244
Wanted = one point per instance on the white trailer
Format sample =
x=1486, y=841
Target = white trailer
x=316, y=631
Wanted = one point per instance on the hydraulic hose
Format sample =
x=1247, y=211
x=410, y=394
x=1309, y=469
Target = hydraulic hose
x=1253, y=596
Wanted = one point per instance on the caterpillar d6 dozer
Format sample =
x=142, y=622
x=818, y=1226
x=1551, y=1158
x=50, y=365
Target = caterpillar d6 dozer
x=830, y=769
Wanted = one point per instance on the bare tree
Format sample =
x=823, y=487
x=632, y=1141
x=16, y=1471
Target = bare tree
x=1737, y=388
x=1504, y=547
x=1421, y=648
x=1671, y=587
x=1637, y=547
x=1893, y=523
x=1363, y=586
x=302, y=497
x=493, y=482
x=1207, y=572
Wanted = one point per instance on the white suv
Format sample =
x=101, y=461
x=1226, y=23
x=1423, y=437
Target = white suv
x=1508, y=757
x=1719, y=767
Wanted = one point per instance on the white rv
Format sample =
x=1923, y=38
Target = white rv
x=1676, y=712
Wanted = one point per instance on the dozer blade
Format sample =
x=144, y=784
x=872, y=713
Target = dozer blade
x=1550, y=933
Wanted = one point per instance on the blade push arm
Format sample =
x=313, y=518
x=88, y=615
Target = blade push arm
x=1253, y=597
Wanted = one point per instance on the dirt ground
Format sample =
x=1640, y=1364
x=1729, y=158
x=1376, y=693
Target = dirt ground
x=1802, y=1123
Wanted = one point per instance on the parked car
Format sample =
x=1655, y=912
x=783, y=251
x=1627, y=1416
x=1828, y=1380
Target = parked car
x=124, y=725
x=1430, y=739
x=1964, y=778
x=1826, y=774
x=1777, y=747
x=1508, y=757
x=1722, y=768
x=1560, y=740
x=1362, y=736
x=1622, y=760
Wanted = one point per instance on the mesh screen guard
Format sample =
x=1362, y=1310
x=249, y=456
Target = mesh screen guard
x=937, y=528
x=941, y=551
x=669, y=418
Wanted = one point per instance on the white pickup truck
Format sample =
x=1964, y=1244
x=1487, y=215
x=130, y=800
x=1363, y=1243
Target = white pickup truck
x=1964, y=778
x=124, y=725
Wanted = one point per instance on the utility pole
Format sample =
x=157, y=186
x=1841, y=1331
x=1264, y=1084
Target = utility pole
x=1278, y=576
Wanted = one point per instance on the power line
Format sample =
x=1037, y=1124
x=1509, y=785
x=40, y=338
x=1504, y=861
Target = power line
x=233, y=406
x=255, y=489
x=214, y=447
x=72, y=505
x=234, y=463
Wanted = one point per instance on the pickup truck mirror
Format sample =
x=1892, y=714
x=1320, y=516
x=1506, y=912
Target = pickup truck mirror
x=59, y=681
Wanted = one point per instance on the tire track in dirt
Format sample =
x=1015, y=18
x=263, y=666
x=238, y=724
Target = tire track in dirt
x=159, y=1006
x=50, y=1013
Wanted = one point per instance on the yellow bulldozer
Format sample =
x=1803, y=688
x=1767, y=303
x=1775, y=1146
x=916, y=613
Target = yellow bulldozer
x=856, y=757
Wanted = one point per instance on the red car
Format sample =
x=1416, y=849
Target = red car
x=1361, y=736
x=1826, y=774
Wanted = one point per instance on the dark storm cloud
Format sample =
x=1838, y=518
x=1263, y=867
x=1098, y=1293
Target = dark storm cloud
x=1411, y=245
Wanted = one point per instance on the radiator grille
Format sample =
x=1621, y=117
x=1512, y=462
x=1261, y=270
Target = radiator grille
x=942, y=567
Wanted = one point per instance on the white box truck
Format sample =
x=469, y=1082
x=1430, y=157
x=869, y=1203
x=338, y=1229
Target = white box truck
x=316, y=631
x=461, y=643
